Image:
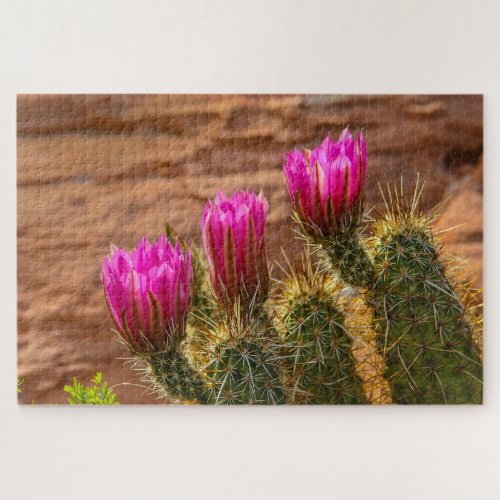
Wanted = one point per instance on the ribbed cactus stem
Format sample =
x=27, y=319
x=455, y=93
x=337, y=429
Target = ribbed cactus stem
x=243, y=373
x=320, y=359
x=348, y=255
x=424, y=329
x=173, y=376
x=242, y=359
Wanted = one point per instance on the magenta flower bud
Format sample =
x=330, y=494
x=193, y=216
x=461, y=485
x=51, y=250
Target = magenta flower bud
x=233, y=231
x=327, y=184
x=148, y=292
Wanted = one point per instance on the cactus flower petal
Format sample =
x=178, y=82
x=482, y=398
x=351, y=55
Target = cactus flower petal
x=326, y=184
x=148, y=291
x=233, y=233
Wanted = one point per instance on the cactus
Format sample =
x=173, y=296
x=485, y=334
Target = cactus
x=425, y=331
x=233, y=359
x=319, y=353
x=241, y=348
x=167, y=369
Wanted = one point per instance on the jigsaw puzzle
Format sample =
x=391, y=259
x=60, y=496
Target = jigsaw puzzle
x=250, y=249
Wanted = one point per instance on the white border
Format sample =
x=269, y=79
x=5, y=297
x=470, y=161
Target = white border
x=259, y=46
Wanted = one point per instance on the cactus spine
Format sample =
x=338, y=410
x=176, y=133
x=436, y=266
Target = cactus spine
x=342, y=249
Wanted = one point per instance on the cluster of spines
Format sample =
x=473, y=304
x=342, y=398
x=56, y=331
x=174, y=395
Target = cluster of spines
x=370, y=364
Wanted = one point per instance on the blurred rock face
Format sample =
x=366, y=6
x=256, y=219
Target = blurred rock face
x=95, y=170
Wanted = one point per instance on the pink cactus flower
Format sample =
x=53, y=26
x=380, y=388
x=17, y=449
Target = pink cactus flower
x=327, y=184
x=233, y=231
x=148, y=292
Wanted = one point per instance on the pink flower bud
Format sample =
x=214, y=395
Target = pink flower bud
x=327, y=184
x=233, y=232
x=148, y=292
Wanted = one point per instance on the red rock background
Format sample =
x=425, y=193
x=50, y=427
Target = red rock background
x=98, y=169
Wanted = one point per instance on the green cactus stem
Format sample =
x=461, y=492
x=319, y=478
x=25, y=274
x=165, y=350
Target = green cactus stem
x=242, y=360
x=321, y=366
x=425, y=329
x=169, y=371
x=343, y=251
x=173, y=377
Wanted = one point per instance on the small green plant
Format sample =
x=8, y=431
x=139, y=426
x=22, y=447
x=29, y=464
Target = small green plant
x=20, y=382
x=97, y=394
